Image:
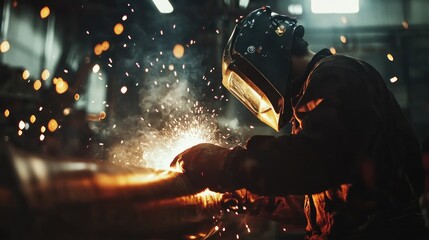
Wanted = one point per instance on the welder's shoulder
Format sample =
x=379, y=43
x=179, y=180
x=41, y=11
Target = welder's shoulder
x=342, y=65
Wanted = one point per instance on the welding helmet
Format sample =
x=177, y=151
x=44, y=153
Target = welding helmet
x=256, y=63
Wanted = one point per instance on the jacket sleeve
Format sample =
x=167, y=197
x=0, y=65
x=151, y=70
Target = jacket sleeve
x=288, y=210
x=334, y=131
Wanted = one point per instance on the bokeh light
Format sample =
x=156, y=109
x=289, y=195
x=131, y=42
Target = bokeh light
x=32, y=118
x=105, y=46
x=405, y=24
x=37, y=84
x=21, y=124
x=45, y=74
x=61, y=86
x=44, y=12
x=124, y=89
x=25, y=74
x=96, y=68
x=118, y=29
x=394, y=79
x=52, y=125
x=98, y=49
x=4, y=46
x=178, y=51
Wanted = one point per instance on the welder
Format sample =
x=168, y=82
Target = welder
x=351, y=168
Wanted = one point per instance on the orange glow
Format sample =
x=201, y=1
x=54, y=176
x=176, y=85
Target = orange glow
x=343, y=39
x=44, y=12
x=178, y=51
x=118, y=29
x=76, y=97
x=25, y=74
x=66, y=111
x=333, y=50
x=19, y=132
x=105, y=46
x=45, y=74
x=42, y=129
x=106, y=180
x=37, y=84
x=32, y=118
x=55, y=81
x=98, y=49
x=61, y=86
x=390, y=57
x=103, y=115
x=6, y=113
x=312, y=104
x=4, y=46
x=52, y=125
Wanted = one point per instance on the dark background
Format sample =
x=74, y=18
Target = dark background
x=106, y=123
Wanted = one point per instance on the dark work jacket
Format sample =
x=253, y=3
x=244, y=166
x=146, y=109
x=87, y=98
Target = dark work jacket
x=352, y=165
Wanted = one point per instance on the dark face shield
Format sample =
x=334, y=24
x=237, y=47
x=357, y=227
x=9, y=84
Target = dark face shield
x=251, y=92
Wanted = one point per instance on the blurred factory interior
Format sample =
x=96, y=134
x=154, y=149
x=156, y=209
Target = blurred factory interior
x=114, y=79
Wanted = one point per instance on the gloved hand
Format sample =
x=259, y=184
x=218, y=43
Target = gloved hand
x=204, y=164
x=242, y=201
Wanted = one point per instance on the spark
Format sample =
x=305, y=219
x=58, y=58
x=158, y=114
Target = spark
x=393, y=79
x=179, y=134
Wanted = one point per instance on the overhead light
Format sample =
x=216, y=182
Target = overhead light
x=243, y=3
x=164, y=6
x=335, y=6
x=295, y=9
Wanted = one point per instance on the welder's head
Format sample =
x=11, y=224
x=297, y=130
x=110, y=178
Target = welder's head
x=256, y=64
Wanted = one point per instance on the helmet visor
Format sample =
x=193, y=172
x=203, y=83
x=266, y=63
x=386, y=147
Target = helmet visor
x=255, y=92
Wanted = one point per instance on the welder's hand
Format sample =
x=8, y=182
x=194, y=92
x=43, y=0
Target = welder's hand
x=242, y=201
x=204, y=165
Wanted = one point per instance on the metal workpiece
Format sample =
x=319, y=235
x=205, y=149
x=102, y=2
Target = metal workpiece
x=46, y=198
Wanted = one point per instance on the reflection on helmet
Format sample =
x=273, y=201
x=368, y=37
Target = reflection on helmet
x=256, y=64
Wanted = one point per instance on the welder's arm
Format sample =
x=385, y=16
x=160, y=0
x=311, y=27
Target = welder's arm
x=323, y=154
